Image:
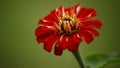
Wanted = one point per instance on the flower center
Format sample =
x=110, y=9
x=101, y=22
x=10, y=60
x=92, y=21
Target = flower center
x=67, y=25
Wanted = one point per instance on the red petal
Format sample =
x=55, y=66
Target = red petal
x=92, y=24
x=41, y=39
x=87, y=36
x=44, y=37
x=48, y=20
x=50, y=41
x=62, y=42
x=72, y=46
x=42, y=30
x=60, y=11
x=58, y=50
x=53, y=14
x=68, y=11
x=43, y=33
x=77, y=38
x=91, y=31
x=77, y=8
x=86, y=13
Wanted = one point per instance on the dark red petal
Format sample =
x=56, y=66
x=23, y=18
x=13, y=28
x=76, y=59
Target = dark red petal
x=91, y=31
x=77, y=38
x=62, y=42
x=87, y=36
x=58, y=50
x=92, y=24
x=72, y=46
x=42, y=30
x=50, y=42
x=43, y=38
x=86, y=13
x=39, y=40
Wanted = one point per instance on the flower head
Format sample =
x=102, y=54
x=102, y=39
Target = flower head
x=66, y=28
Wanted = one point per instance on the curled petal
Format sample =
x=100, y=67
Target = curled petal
x=86, y=13
x=87, y=36
x=92, y=24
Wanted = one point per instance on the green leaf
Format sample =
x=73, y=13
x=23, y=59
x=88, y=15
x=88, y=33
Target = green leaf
x=96, y=60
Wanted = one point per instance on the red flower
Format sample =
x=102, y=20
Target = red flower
x=66, y=28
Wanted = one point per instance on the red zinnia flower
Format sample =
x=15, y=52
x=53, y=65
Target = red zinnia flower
x=66, y=28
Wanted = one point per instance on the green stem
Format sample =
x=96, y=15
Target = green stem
x=79, y=59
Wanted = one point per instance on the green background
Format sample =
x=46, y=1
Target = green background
x=18, y=20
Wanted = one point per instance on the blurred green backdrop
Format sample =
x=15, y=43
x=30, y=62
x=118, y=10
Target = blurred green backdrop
x=18, y=20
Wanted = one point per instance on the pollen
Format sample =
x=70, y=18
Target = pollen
x=68, y=25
